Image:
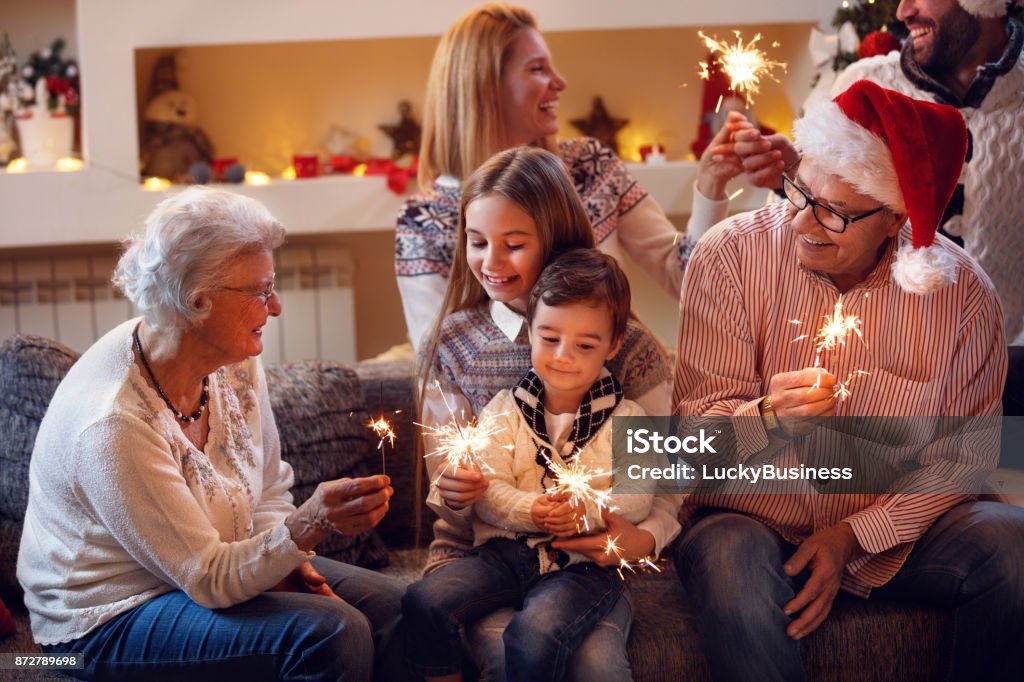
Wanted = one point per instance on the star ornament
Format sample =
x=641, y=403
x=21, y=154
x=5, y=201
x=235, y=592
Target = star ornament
x=599, y=125
x=406, y=135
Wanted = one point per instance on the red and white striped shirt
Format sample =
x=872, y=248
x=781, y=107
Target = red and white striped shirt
x=929, y=356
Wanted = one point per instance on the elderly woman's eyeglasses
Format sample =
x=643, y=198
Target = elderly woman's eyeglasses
x=830, y=219
x=265, y=294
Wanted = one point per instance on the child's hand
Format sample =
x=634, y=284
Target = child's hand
x=564, y=518
x=539, y=511
x=461, y=487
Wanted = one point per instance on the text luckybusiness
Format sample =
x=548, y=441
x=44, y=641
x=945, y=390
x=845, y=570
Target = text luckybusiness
x=643, y=441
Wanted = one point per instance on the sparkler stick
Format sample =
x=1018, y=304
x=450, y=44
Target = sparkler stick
x=743, y=63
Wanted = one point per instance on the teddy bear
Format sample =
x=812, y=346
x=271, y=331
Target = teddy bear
x=171, y=141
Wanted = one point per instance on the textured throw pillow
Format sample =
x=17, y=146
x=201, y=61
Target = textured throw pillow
x=318, y=407
x=31, y=367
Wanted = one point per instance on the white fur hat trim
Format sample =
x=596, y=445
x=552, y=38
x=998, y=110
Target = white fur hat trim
x=835, y=144
x=924, y=270
x=984, y=8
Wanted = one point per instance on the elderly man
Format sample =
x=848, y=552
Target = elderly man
x=965, y=53
x=764, y=569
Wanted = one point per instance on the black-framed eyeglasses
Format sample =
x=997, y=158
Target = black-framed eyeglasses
x=265, y=294
x=830, y=219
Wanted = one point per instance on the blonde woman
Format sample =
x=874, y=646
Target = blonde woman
x=493, y=85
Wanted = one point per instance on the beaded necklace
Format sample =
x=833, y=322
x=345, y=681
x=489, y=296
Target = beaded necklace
x=203, y=399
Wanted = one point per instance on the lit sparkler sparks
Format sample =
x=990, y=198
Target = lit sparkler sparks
x=460, y=445
x=833, y=333
x=612, y=547
x=743, y=63
x=842, y=388
x=381, y=426
x=835, y=330
x=575, y=481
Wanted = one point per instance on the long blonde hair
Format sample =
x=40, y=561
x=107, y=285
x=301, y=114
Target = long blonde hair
x=537, y=182
x=462, y=114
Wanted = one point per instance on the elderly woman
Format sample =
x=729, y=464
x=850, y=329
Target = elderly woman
x=160, y=537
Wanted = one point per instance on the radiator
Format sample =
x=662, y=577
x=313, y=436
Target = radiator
x=70, y=299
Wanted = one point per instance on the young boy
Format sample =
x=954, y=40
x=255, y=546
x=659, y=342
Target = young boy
x=559, y=414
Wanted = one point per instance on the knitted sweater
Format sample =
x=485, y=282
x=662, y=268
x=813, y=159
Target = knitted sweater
x=485, y=350
x=123, y=508
x=993, y=178
x=516, y=478
x=477, y=359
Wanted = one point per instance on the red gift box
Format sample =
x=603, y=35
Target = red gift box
x=220, y=164
x=343, y=163
x=306, y=165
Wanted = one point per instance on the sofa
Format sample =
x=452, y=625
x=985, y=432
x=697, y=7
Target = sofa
x=322, y=410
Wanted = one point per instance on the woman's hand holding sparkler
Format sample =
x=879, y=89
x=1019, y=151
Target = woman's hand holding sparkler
x=801, y=399
x=461, y=486
x=719, y=163
x=620, y=541
x=558, y=514
x=764, y=157
x=347, y=505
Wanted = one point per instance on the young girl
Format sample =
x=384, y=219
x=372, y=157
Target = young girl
x=560, y=413
x=517, y=211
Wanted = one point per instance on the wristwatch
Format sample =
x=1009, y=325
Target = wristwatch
x=771, y=420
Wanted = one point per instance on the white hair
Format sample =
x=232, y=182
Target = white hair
x=186, y=244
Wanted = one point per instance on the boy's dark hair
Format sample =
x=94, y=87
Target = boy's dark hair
x=584, y=275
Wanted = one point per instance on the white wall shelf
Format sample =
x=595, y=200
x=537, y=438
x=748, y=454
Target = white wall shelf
x=103, y=203
x=96, y=206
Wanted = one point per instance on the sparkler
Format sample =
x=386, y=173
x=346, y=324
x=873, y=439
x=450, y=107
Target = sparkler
x=833, y=333
x=383, y=430
x=612, y=547
x=835, y=330
x=459, y=444
x=743, y=63
x=575, y=481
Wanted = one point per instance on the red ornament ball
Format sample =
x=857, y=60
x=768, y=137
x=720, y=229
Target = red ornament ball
x=876, y=43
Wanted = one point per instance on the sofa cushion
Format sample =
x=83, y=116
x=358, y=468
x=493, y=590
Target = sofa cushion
x=318, y=407
x=31, y=367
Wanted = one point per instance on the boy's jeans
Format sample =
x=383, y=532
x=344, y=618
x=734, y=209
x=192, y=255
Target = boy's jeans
x=558, y=610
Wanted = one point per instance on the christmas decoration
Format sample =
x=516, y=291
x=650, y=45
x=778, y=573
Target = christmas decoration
x=877, y=43
x=61, y=76
x=10, y=85
x=171, y=141
x=405, y=135
x=602, y=127
x=867, y=17
x=42, y=98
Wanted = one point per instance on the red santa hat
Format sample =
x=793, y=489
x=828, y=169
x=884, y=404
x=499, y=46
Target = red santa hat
x=984, y=9
x=905, y=153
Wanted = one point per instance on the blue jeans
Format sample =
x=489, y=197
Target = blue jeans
x=274, y=636
x=557, y=610
x=971, y=560
x=601, y=658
